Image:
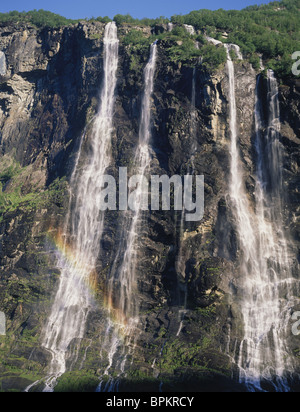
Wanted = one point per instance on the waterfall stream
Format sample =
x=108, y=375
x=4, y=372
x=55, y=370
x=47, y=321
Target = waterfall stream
x=127, y=271
x=267, y=290
x=266, y=297
x=182, y=253
x=122, y=291
x=83, y=229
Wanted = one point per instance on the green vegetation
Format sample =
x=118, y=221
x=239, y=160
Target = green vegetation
x=105, y=19
x=182, y=48
x=178, y=362
x=17, y=371
x=140, y=381
x=213, y=56
x=208, y=312
x=177, y=354
x=16, y=194
x=8, y=173
x=128, y=19
x=77, y=381
x=137, y=46
x=39, y=18
x=179, y=45
x=95, y=36
x=272, y=31
x=43, y=18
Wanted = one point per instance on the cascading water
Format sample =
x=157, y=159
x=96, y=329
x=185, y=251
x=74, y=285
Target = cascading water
x=213, y=41
x=268, y=290
x=269, y=293
x=266, y=296
x=122, y=289
x=127, y=272
x=3, y=67
x=83, y=229
x=190, y=29
x=170, y=26
x=180, y=259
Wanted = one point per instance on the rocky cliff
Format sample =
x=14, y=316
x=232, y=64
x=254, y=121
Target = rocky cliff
x=188, y=279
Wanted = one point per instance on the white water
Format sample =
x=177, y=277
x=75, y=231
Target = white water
x=213, y=41
x=2, y=64
x=190, y=29
x=261, y=63
x=123, y=280
x=83, y=229
x=142, y=160
x=236, y=49
x=268, y=286
x=229, y=47
x=170, y=26
x=193, y=128
x=182, y=253
x=270, y=297
x=267, y=295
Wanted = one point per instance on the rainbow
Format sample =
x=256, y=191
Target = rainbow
x=68, y=256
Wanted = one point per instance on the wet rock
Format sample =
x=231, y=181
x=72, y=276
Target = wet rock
x=49, y=92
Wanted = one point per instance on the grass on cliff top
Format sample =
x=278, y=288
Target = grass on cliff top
x=180, y=47
x=271, y=30
x=42, y=18
x=38, y=18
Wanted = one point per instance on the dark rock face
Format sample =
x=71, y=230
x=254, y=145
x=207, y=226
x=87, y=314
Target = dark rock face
x=48, y=95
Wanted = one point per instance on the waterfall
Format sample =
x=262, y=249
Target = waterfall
x=266, y=297
x=83, y=229
x=122, y=289
x=127, y=273
x=270, y=291
x=182, y=253
x=190, y=29
x=238, y=194
x=3, y=67
x=213, y=41
x=235, y=48
x=170, y=26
